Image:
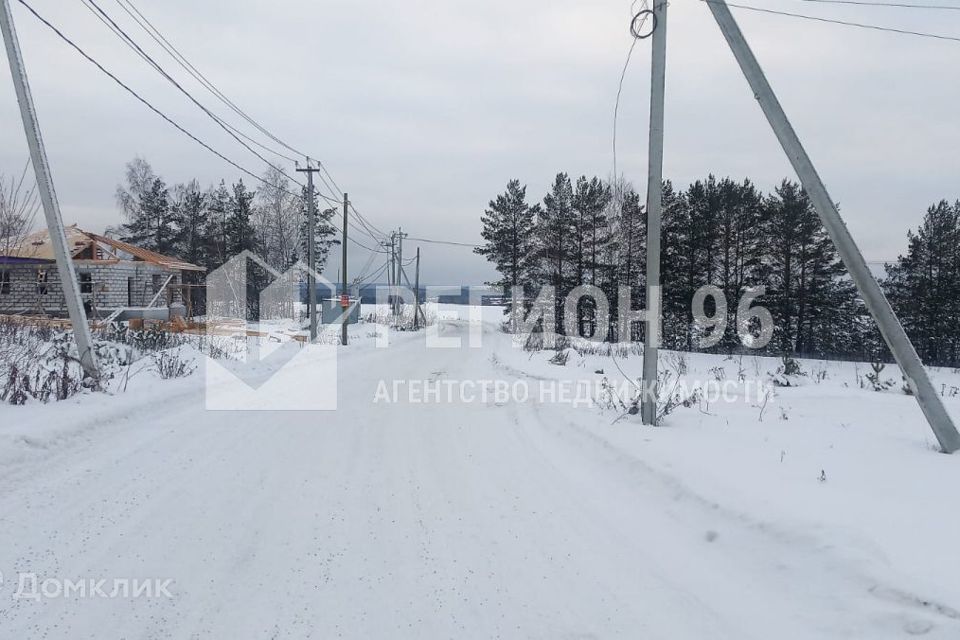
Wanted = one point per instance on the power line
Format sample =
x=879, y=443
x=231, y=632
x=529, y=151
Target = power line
x=371, y=228
x=165, y=117
x=846, y=23
x=173, y=53
x=365, y=268
x=126, y=39
x=368, y=228
x=159, y=38
x=623, y=75
x=376, y=274
x=138, y=96
x=447, y=242
x=144, y=23
x=352, y=224
x=896, y=5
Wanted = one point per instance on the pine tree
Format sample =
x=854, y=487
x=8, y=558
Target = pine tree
x=151, y=223
x=509, y=235
x=324, y=232
x=239, y=233
x=191, y=213
x=805, y=287
x=589, y=204
x=720, y=232
x=631, y=237
x=216, y=245
x=556, y=231
x=626, y=252
x=924, y=285
x=677, y=269
x=739, y=254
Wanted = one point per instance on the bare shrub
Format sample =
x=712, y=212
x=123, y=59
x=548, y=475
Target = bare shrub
x=876, y=382
x=170, y=364
x=39, y=362
x=788, y=373
x=671, y=393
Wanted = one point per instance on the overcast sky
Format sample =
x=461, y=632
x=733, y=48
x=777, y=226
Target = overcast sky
x=424, y=109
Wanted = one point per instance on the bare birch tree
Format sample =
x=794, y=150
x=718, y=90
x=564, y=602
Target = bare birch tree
x=277, y=219
x=19, y=203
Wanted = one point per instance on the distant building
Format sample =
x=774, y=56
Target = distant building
x=112, y=275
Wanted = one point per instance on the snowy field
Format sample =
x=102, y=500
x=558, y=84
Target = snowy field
x=428, y=505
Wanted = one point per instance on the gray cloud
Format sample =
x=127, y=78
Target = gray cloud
x=423, y=110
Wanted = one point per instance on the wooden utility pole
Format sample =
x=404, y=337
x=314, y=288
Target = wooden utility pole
x=416, y=294
x=651, y=344
x=345, y=296
x=386, y=247
x=391, y=280
x=48, y=195
x=311, y=250
x=400, y=272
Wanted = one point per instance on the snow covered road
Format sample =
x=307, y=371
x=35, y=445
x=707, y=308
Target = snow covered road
x=399, y=520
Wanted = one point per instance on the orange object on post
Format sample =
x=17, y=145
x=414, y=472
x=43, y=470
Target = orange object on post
x=344, y=301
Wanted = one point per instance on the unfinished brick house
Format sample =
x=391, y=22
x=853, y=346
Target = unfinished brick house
x=113, y=275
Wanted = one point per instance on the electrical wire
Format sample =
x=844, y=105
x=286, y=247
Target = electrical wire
x=145, y=24
x=846, y=23
x=128, y=40
x=127, y=5
x=140, y=98
x=117, y=30
x=351, y=224
x=447, y=242
x=167, y=118
x=326, y=178
x=623, y=74
x=373, y=276
x=157, y=37
x=893, y=5
x=163, y=42
x=365, y=268
x=372, y=229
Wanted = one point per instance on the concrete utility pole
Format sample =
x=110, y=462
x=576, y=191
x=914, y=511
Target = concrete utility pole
x=48, y=195
x=890, y=327
x=345, y=296
x=651, y=340
x=311, y=250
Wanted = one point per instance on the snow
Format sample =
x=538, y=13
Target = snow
x=830, y=516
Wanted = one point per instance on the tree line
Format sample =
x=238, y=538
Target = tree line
x=207, y=226
x=726, y=233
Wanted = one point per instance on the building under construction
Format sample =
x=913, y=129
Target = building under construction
x=115, y=277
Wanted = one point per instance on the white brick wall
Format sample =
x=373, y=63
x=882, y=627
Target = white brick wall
x=110, y=282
